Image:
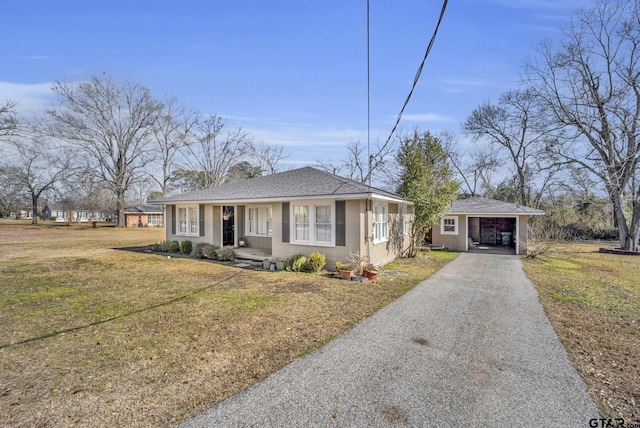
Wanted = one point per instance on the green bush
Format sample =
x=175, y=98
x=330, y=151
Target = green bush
x=157, y=248
x=173, y=247
x=53, y=218
x=210, y=251
x=315, y=262
x=227, y=254
x=295, y=263
x=186, y=247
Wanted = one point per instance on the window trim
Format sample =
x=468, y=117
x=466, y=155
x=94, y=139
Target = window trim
x=312, y=204
x=384, y=231
x=456, y=222
x=269, y=215
x=402, y=220
x=189, y=222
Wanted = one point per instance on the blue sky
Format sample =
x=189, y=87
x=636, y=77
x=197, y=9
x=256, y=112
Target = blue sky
x=291, y=72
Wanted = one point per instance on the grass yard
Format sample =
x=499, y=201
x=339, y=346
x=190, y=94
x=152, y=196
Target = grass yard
x=593, y=302
x=95, y=336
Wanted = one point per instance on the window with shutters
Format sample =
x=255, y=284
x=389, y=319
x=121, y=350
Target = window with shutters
x=313, y=223
x=188, y=220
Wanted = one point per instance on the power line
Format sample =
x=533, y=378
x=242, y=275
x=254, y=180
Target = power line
x=415, y=80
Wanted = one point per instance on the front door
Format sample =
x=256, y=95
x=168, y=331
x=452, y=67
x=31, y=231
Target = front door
x=228, y=227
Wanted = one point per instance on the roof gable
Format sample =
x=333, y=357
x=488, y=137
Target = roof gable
x=479, y=205
x=304, y=182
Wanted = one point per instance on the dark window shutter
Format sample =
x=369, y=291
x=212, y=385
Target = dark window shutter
x=285, y=222
x=341, y=223
x=201, y=219
x=173, y=219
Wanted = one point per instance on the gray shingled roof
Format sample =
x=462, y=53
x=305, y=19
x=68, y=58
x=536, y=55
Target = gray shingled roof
x=144, y=209
x=485, y=206
x=297, y=183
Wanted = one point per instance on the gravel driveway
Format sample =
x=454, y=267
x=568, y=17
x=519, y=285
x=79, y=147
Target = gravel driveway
x=469, y=347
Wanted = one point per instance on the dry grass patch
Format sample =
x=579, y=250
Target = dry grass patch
x=93, y=336
x=593, y=302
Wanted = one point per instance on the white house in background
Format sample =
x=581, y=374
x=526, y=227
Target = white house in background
x=71, y=215
x=297, y=211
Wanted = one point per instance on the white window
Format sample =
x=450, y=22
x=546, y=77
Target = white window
x=259, y=221
x=380, y=223
x=313, y=223
x=402, y=220
x=188, y=221
x=154, y=219
x=449, y=226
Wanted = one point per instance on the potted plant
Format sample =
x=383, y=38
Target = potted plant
x=370, y=271
x=345, y=269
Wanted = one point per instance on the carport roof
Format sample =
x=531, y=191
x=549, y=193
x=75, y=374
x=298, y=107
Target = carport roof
x=485, y=206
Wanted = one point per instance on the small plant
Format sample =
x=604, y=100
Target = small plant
x=53, y=218
x=227, y=254
x=294, y=263
x=356, y=261
x=210, y=251
x=186, y=247
x=339, y=266
x=315, y=262
x=157, y=248
x=173, y=247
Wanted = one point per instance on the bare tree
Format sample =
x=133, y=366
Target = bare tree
x=514, y=126
x=8, y=121
x=35, y=164
x=209, y=154
x=269, y=157
x=113, y=125
x=358, y=165
x=474, y=169
x=171, y=131
x=590, y=84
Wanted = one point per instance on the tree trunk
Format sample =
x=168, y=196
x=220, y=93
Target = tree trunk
x=626, y=242
x=34, y=207
x=120, y=208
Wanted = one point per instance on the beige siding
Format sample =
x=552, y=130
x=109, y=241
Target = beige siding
x=282, y=250
x=452, y=242
x=523, y=233
x=211, y=227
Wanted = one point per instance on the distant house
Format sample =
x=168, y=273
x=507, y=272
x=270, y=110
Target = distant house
x=297, y=211
x=482, y=221
x=144, y=216
x=64, y=214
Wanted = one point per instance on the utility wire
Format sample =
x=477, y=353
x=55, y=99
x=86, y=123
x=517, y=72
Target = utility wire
x=415, y=81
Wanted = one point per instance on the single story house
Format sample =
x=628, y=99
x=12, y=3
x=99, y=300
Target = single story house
x=144, y=216
x=64, y=214
x=483, y=221
x=297, y=211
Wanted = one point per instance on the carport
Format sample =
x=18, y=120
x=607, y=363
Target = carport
x=478, y=221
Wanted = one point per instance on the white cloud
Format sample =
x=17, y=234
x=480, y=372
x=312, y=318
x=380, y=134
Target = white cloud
x=31, y=98
x=426, y=117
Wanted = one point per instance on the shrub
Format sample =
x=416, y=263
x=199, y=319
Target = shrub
x=295, y=263
x=196, y=251
x=315, y=262
x=157, y=248
x=186, y=247
x=53, y=218
x=227, y=254
x=210, y=251
x=173, y=247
